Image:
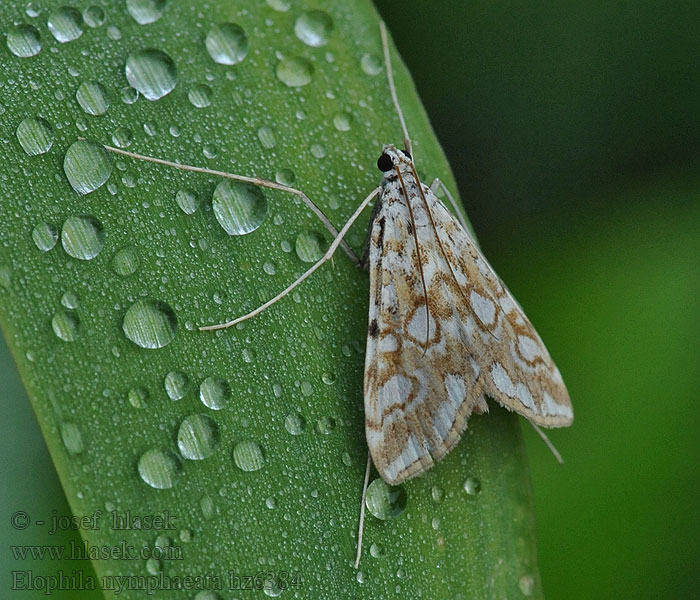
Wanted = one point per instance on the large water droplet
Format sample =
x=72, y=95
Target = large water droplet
x=214, y=392
x=472, y=486
x=94, y=16
x=248, y=456
x=45, y=236
x=70, y=300
x=138, y=397
x=122, y=137
x=145, y=11
x=376, y=550
x=176, y=385
x=295, y=71
x=24, y=41
x=371, y=64
x=71, y=437
x=152, y=72
x=35, y=135
x=200, y=95
x=294, y=424
x=267, y=137
x=160, y=468
x=198, y=437
x=150, y=323
x=313, y=28
x=92, y=97
x=82, y=237
x=65, y=326
x=187, y=201
x=342, y=122
x=310, y=246
x=385, y=501
x=87, y=166
x=227, y=43
x=126, y=261
x=66, y=24
x=239, y=207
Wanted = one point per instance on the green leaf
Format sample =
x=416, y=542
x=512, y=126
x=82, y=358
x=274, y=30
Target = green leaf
x=249, y=441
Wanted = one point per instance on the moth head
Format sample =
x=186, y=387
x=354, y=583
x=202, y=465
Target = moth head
x=392, y=157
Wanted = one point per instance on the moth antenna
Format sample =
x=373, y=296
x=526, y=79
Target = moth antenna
x=361, y=527
x=546, y=440
x=392, y=87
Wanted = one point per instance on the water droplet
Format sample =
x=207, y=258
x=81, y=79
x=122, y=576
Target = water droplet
x=313, y=28
x=214, y=392
x=185, y=535
x=200, y=95
x=385, y=501
x=82, y=237
x=310, y=246
x=138, y=397
x=271, y=503
x=285, y=177
x=360, y=577
x=45, y=236
x=371, y=64
x=153, y=566
x=187, y=201
x=70, y=300
x=24, y=41
x=376, y=550
x=122, y=137
x=6, y=277
x=317, y=150
x=145, y=11
x=150, y=323
x=227, y=43
x=437, y=494
x=65, y=326
x=248, y=456
x=176, y=385
x=32, y=10
x=72, y=438
x=328, y=378
x=151, y=72
x=267, y=137
x=270, y=268
x=526, y=584
x=35, y=135
x=295, y=71
x=239, y=207
x=294, y=423
x=126, y=261
x=66, y=24
x=207, y=595
x=271, y=588
x=87, y=166
x=92, y=97
x=279, y=5
x=197, y=437
x=160, y=468
x=472, y=486
x=94, y=16
x=325, y=425
x=208, y=507
x=342, y=122
x=129, y=95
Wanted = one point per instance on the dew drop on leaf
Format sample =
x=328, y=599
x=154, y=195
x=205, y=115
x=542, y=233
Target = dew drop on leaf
x=24, y=41
x=187, y=201
x=126, y=261
x=152, y=72
x=240, y=208
x=45, y=236
x=92, y=97
x=176, y=385
x=66, y=24
x=227, y=44
x=248, y=456
x=87, y=166
x=385, y=501
x=138, y=397
x=160, y=468
x=94, y=16
x=65, y=326
x=71, y=437
x=294, y=423
x=214, y=392
x=472, y=486
x=145, y=11
x=197, y=437
x=150, y=323
x=200, y=95
x=310, y=246
x=313, y=28
x=35, y=135
x=294, y=71
x=82, y=237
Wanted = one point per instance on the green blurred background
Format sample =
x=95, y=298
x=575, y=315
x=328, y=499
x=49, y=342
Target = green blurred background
x=574, y=133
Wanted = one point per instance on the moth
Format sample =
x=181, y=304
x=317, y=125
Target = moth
x=444, y=332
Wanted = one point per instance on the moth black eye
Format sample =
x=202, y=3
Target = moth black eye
x=384, y=163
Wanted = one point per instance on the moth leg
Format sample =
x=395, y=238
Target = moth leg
x=259, y=181
x=455, y=207
x=546, y=440
x=361, y=527
x=329, y=253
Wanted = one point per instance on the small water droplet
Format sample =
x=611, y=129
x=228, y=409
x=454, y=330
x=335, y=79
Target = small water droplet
x=138, y=397
x=129, y=95
x=239, y=207
x=145, y=11
x=214, y=392
x=153, y=566
x=66, y=24
x=271, y=588
x=65, y=326
x=279, y=5
x=87, y=166
x=472, y=486
x=317, y=151
x=285, y=177
x=200, y=95
x=185, y=535
x=24, y=41
x=71, y=437
x=371, y=64
x=267, y=137
x=92, y=97
x=45, y=236
x=126, y=261
x=325, y=425
x=227, y=43
x=152, y=72
x=176, y=385
x=82, y=237
x=527, y=585
x=437, y=494
x=187, y=201
x=294, y=423
x=294, y=71
x=310, y=246
x=385, y=501
x=160, y=468
x=376, y=550
x=150, y=323
x=122, y=137
x=346, y=458
x=313, y=28
x=208, y=508
x=70, y=300
x=248, y=456
x=271, y=503
x=32, y=10
x=360, y=577
x=35, y=135
x=6, y=277
x=342, y=122
x=94, y=16
x=197, y=437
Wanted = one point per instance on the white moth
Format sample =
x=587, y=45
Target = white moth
x=444, y=332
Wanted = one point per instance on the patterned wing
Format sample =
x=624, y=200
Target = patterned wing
x=427, y=371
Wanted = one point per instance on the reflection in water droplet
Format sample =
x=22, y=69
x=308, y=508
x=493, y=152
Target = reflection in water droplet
x=239, y=207
x=214, y=392
x=35, y=135
x=82, y=237
x=122, y=137
x=126, y=261
x=310, y=246
x=385, y=501
x=267, y=137
x=70, y=300
x=295, y=71
x=472, y=486
x=72, y=438
x=145, y=11
x=187, y=201
x=150, y=323
x=313, y=28
x=227, y=43
x=87, y=166
x=92, y=97
x=65, y=326
x=138, y=397
x=152, y=72
x=45, y=236
x=248, y=456
x=294, y=423
x=197, y=437
x=160, y=468
x=371, y=64
x=24, y=41
x=200, y=95
x=176, y=385
x=94, y=16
